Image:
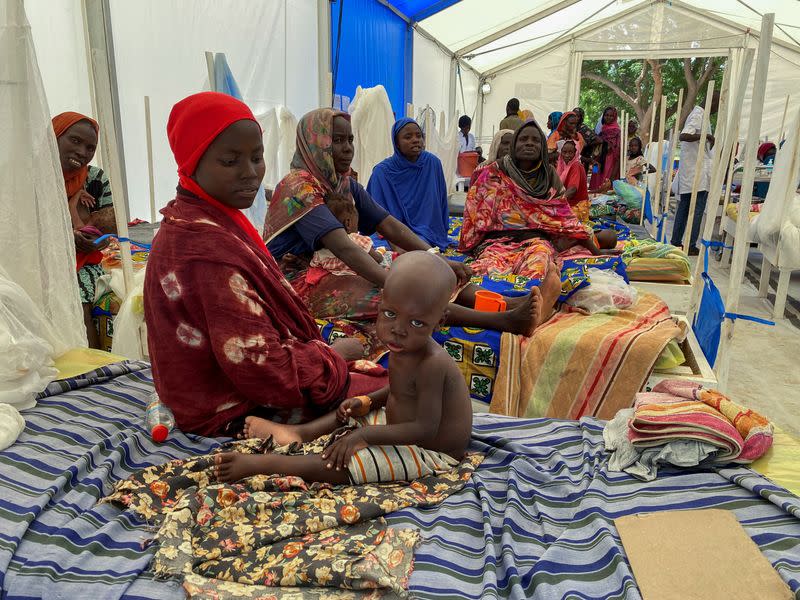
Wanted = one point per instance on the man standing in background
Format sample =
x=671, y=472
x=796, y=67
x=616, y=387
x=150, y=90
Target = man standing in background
x=690, y=146
x=512, y=120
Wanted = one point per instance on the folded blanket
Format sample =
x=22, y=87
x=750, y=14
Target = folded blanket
x=660, y=417
x=648, y=260
x=241, y=540
x=682, y=424
x=578, y=365
x=652, y=249
x=682, y=408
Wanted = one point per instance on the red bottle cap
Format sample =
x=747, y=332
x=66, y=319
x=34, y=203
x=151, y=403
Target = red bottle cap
x=159, y=433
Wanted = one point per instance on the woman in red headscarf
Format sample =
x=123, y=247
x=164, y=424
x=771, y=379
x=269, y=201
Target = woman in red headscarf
x=228, y=336
x=90, y=205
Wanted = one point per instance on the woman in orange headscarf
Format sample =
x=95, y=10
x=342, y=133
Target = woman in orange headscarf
x=90, y=204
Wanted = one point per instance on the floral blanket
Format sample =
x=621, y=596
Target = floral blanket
x=277, y=536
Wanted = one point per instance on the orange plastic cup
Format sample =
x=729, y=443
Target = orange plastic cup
x=487, y=301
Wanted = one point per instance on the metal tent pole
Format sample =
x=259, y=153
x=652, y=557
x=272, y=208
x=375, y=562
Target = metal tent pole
x=100, y=48
x=149, y=138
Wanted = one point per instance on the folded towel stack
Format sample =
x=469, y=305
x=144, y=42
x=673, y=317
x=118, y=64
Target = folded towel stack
x=678, y=409
x=684, y=424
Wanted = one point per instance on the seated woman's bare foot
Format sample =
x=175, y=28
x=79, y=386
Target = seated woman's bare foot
x=233, y=466
x=256, y=427
x=513, y=302
x=523, y=318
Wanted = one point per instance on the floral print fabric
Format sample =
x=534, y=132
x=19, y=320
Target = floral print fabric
x=529, y=258
x=312, y=540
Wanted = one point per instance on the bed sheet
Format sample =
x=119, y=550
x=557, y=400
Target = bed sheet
x=535, y=521
x=84, y=433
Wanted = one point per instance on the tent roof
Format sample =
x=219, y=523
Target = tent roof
x=490, y=36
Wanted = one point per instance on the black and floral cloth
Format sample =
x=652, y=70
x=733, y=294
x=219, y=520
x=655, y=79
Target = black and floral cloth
x=278, y=536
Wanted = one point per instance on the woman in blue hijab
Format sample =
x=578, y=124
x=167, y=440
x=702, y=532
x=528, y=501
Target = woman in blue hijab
x=553, y=120
x=410, y=184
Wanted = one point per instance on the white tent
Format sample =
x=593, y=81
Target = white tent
x=533, y=49
x=279, y=52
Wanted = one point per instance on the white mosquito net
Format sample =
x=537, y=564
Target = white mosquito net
x=778, y=224
x=36, y=243
x=372, y=120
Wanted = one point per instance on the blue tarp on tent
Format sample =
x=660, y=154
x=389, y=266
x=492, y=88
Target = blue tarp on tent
x=374, y=48
x=416, y=10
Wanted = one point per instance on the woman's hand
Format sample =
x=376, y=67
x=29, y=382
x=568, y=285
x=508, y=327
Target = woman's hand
x=85, y=243
x=462, y=271
x=82, y=197
x=338, y=455
x=349, y=349
x=294, y=262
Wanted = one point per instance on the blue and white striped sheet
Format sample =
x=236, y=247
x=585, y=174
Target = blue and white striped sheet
x=534, y=522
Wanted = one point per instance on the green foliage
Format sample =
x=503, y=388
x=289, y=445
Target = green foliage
x=595, y=96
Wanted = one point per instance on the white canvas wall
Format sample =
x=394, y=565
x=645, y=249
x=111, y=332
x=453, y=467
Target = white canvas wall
x=783, y=79
x=57, y=30
x=466, y=102
x=159, y=52
x=541, y=86
x=431, y=85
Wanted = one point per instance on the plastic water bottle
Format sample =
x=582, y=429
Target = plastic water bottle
x=158, y=419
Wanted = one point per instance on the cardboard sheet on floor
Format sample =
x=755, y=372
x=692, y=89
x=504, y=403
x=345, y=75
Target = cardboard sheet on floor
x=683, y=554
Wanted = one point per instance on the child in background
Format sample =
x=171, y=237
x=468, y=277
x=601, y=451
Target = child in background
x=417, y=426
x=573, y=175
x=637, y=163
x=606, y=239
x=344, y=209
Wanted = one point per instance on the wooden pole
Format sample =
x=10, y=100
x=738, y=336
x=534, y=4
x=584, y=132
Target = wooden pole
x=741, y=244
x=698, y=165
x=783, y=120
x=726, y=138
x=149, y=138
x=622, y=135
x=210, y=69
x=655, y=202
x=652, y=121
x=673, y=143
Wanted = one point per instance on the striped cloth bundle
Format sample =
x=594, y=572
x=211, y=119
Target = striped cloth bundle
x=680, y=409
x=536, y=520
x=648, y=260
